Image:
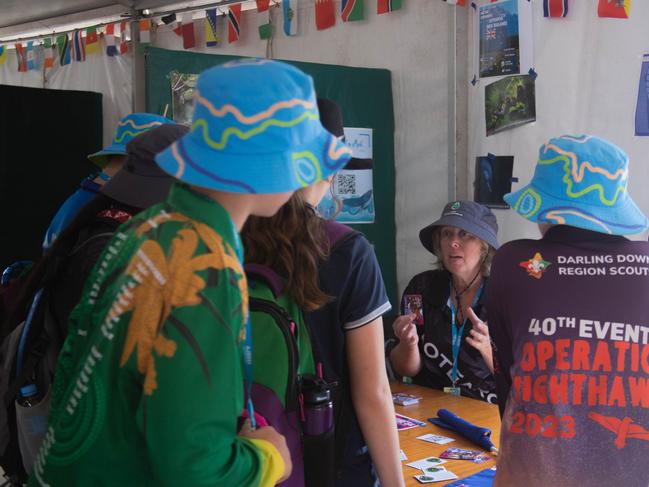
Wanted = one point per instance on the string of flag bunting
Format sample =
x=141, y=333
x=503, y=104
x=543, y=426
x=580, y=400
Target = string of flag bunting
x=76, y=46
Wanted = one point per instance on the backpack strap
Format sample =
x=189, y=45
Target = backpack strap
x=268, y=275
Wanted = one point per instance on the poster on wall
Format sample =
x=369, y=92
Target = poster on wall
x=509, y=102
x=505, y=38
x=493, y=179
x=182, y=96
x=351, y=199
x=642, y=105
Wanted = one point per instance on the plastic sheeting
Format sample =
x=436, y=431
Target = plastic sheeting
x=110, y=76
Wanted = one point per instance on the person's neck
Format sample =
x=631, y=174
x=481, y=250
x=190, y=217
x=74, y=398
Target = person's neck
x=466, y=283
x=237, y=205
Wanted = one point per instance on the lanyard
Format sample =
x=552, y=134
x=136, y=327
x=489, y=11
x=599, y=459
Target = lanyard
x=246, y=348
x=456, y=336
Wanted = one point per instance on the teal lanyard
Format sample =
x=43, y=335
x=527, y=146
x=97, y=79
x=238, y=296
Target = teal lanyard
x=456, y=336
x=246, y=348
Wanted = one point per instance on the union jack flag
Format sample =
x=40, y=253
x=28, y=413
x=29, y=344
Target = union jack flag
x=490, y=34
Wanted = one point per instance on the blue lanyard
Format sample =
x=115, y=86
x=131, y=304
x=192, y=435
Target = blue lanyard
x=246, y=349
x=456, y=336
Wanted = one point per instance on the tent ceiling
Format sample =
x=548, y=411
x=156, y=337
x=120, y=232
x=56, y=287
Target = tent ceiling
x=18, y=12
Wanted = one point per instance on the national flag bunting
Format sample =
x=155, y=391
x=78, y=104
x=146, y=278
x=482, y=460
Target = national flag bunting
x=172, y=21
x=145, y=31
x=351, y=10
x=31, y=63
x=325, y=14
x=555, y=8
x=48, y=58
x=21, y=54
x=111, y=49
x=92, y=40
x=461, y=3
x=78, y=47
x=263, y=19
x=125, y=36
x=618, y=9
x=289, y=11
x=189, y=39
x=234, y=18
x=3, y=55
x=63, y=46
x=211, y=32
x=385, y=6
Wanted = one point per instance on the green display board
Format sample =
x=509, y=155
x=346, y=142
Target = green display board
x=366, y=98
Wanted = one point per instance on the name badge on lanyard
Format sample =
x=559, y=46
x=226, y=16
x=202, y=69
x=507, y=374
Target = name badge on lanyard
x=456, y=342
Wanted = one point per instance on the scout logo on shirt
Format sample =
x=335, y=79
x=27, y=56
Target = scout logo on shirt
x=623, y=428
x=536, y=266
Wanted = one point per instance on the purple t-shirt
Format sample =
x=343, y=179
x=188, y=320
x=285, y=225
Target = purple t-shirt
x=569, y=316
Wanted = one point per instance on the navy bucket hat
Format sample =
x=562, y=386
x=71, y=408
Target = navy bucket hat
x=470, y=216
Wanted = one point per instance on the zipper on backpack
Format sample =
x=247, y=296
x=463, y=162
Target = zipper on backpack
x=288, y=328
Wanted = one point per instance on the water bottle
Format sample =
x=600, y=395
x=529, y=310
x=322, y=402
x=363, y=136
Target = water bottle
x=29, y=396
x=318, y=431
x=318, y=407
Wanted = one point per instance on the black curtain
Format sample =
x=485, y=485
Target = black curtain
x=45, y=136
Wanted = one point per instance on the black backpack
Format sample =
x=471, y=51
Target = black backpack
x=28, y=357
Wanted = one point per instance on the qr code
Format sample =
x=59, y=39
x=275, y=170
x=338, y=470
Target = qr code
x=346, y=184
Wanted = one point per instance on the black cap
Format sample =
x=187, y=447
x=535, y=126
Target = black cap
x=331, y=117
x=140, y=182
x=470, y=216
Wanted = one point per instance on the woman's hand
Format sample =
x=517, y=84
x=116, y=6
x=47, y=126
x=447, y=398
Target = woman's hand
x=405, y=330
x=479, y=338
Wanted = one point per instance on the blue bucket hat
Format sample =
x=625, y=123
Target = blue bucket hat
x=255, y=129
x=128, y=128
x=580, y=181
x=470, y=216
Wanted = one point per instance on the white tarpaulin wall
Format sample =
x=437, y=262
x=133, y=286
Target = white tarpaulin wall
x=588, y=73
x=110, y=76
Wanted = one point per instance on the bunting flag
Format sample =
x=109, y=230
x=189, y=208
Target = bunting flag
x=92, y=41
x=125, y=36
x=385, y=6
x=111, y=50
x=172, y=22
x=211, y=33
x=289, y=10
x=3, y=55
x=234, y=17
x=351, y=10
x=63, y=45
x=48, y=61
x=21, y=54
x=325, y=14
x=642, y=105
x=461, y=3
x=263, y=19
x=618, y=9
x=78, y=48
x=555, y=8
x=31, y=63
x=189, y=39
x=145, y=31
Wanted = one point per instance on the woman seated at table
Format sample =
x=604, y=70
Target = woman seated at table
x=443, y=336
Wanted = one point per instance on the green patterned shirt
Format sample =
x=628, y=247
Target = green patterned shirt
x=149, y=383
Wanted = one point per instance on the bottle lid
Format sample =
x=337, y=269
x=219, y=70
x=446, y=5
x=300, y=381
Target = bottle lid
x=29, y=390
